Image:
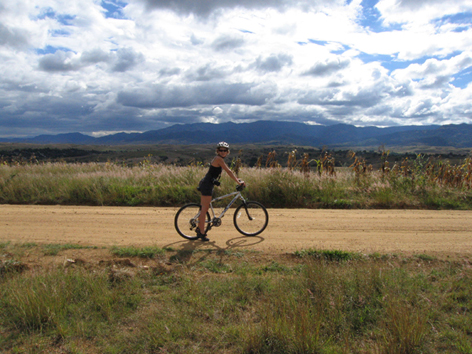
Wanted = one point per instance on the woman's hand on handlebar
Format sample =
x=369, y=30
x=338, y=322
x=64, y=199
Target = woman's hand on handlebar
x=241, y=185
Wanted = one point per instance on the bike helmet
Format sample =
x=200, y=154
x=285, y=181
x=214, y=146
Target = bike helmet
x=222, y=144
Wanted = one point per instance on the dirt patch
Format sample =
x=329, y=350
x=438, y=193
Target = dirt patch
x=442, y=234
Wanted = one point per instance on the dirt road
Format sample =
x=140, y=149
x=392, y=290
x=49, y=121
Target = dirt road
x=438, y=233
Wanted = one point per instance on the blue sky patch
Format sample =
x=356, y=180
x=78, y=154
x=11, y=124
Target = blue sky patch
x=59, y=33
x=462, y=79
x=371, y=18
x=46, y=12
x=463, y=18
x=390, y=63
x=51, y=50
x=113, y=8
x=65, y=20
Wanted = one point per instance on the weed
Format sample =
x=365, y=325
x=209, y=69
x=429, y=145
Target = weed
x=54, y=249
x=330, y=255
x=426, y=257
x=144, y=252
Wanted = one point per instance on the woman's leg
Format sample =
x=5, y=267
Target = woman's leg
x=205, y=203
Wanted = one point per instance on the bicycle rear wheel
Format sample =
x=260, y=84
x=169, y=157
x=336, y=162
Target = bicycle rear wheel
x=186, y=220
x=251, y=218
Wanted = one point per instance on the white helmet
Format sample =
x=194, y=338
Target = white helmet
x=222, y=144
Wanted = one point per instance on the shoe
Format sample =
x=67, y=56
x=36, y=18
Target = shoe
x=202, y=237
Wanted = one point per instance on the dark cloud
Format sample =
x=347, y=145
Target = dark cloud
x=126, y=59
x=327, y=68
x=95, y=56
x=66, y=107
x=273, y=63
x=122, y=60
x=166, y=96
x=365, y=97
x=207, y=7
x=58, y=61
x=207, y=72
x=438, y=82
x=227, y=43
x=169, y=72
x=70, y=113
x=417, y=4
x=13, y=37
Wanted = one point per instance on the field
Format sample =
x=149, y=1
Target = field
x=355, y=259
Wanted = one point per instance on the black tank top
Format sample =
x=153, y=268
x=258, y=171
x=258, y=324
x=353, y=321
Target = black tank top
x=213, y=173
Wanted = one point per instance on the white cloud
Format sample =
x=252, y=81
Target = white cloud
x=68, y=66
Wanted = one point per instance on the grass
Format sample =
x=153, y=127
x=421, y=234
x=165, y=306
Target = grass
x=330, y=255
x=313, y=301
x=409, y=184
x=53, y=249
x=144, y=252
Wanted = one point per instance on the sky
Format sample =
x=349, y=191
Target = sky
x=105, y=66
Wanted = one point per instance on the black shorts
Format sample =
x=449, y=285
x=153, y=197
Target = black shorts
x=205, y=187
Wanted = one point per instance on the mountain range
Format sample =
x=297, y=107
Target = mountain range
x=274, y=132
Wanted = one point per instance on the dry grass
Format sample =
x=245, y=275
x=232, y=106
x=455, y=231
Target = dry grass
x=314, y=301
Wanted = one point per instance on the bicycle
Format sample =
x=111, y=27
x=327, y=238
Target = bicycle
x=250, y=218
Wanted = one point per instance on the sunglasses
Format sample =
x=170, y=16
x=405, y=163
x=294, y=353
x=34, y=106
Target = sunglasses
x=223, y=150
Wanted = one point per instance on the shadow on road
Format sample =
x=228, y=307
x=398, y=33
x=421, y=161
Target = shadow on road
x=198, y=251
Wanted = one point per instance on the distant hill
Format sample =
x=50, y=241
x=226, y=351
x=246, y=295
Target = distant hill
x=278, y=133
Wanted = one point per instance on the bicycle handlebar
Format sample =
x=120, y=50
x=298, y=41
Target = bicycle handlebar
x=240, y=187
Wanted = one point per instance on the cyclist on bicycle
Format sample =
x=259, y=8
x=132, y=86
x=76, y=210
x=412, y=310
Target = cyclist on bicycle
x=211, y=179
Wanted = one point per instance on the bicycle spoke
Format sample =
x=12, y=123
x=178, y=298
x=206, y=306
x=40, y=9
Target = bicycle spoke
x=251, y=218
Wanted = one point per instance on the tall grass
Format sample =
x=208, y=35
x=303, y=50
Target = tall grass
x=62, y=302
x=417, y=185
x=217, y=303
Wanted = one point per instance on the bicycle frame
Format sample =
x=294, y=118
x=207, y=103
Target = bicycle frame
x=237, y=195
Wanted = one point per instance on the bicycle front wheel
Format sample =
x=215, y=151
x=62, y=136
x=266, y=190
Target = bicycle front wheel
x=251, y=218
x=186, y=221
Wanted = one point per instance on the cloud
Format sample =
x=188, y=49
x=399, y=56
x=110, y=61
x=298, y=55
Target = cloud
x=419, y=11
x=434, y=73
x=207, y=7
x=227, y=43
x=207, y=72
x=167, y=96
x=273, y=63
x=328, y=67
x=143, y=64
x=59, y=61
x=121, y=60
x=13, y=37
x=125, y=59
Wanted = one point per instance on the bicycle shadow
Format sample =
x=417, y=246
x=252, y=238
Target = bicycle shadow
x=197, y=251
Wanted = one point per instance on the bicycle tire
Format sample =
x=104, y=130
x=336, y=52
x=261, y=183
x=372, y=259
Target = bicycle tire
x=186, y=221
x=251, y=218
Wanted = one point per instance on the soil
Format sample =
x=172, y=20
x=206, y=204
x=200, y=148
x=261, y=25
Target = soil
x=441, y=234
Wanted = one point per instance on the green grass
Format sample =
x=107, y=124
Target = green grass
x=167, y=185
x=53, y=249
x=4, y=245
x=144, y=252
x=330, y=255
x=313, y=301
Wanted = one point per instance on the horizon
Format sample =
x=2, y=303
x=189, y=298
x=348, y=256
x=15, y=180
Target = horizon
x=142, y=132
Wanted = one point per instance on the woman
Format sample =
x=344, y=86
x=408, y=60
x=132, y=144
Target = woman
x=212, y=178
